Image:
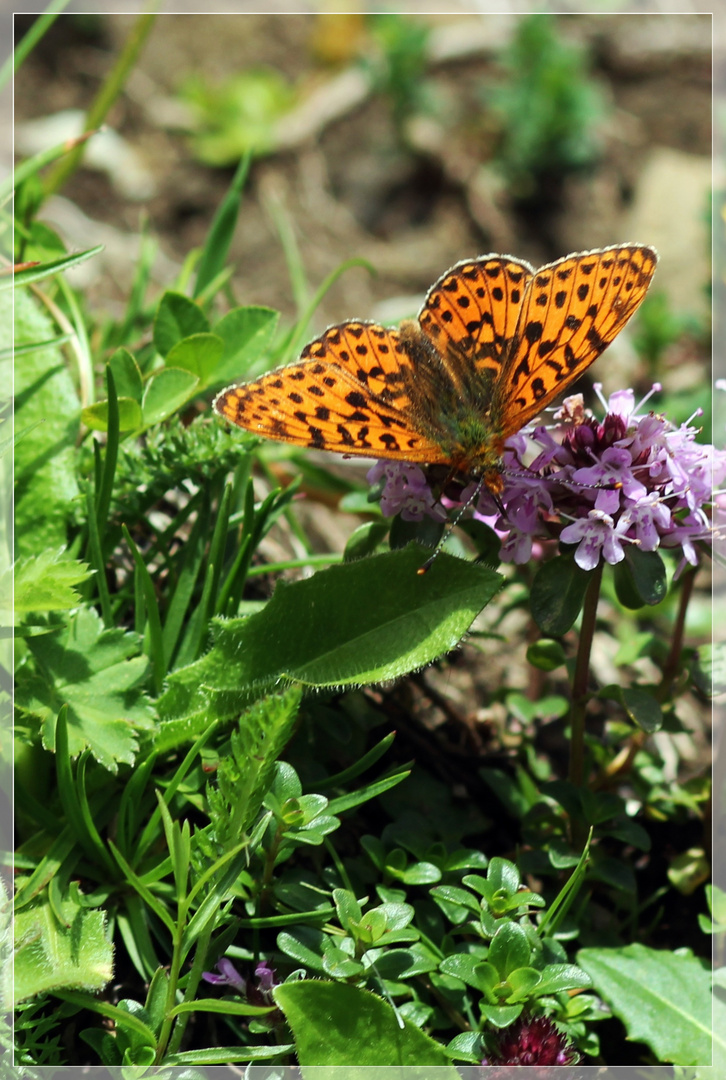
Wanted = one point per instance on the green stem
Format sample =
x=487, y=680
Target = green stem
x=174, y=973
x=580, y=697
x=105, y=98
x=195, y=977
x=31, y=39
x=670, y=667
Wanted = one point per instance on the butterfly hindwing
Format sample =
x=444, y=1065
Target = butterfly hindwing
x=371, y=354
x=573, y=309
x=318, y=404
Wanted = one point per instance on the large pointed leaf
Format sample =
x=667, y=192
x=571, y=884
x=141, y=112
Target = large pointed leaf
x=663, y=999
x=342, y=1026
x=351, y=624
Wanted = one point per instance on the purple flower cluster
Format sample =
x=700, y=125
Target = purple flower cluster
x=633, y=478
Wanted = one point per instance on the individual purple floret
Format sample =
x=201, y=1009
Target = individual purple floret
x=632, y=478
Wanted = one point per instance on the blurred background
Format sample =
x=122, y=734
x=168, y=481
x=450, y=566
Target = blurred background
x=409, y=140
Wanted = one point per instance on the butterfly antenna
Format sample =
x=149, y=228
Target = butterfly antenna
x=452, y=525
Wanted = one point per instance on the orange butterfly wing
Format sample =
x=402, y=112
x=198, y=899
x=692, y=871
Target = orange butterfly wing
x=572, y=311
x=472, y=312
x=347, y=393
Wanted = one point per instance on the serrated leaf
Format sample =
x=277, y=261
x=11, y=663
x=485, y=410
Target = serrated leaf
x=663, y=999
x=45, y=478
x=45, y=582
x=98, y=674
x=50, y=955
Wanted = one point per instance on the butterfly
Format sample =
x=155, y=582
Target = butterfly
x=495, y=342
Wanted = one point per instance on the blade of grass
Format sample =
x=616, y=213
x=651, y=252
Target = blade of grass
x=34, y=164
x=76, y=811
x=142, y=274
x=286, y=234
x=156, y=642
x=35, y=346
x=82, y=344
x=105, y=98
x=105, y=489
x=294, y=564
x=95, y=557
x=26, y=45
x=55, y=266
x=199, y=622
x=192, y=560
x=221, y=231
x=293, y=345
x=149, y=835
x=131, y=804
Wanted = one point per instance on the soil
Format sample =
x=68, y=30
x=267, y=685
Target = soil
x=412, y=203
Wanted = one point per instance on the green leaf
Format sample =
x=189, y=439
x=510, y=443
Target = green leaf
x=45, y=479
x=221, y=231
x=166, y=391
x=55, y=266
x=226, y=1055
x=640, y=578
x=640, y=705
x=45, y=582
x=355, y=623
x=177, y=317
x=247, y=334
x=52, y=955
x=127, y=376
x=342, y=1026
x=97, y=673
x=130, y=418
x=558, y=591
x=663, y=999
x=364, y=540
x=198, y=353
x=546, y=654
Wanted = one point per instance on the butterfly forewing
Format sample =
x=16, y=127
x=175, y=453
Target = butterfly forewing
x=471, y=313
x=495, y=343
x=320, y=404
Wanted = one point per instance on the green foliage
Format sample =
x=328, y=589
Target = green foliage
x=548, y=108
x=640, y=983
x=223, y=760
x=60, y=943
x=398, y=68
x=99, y=674
x=360, y=1030
x=45, y=475
x=658, y=327
x=236, y=116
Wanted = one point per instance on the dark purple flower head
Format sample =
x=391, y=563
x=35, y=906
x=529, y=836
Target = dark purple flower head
x=532, y=1041
x=632, y=478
